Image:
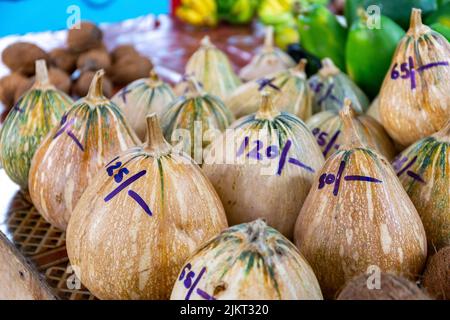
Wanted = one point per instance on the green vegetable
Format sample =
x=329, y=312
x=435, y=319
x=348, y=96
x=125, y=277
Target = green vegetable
x=369, y=52
x=441, y=16
x=322, y=35
x=236, y=11
x=397, y=10
x=442, y=29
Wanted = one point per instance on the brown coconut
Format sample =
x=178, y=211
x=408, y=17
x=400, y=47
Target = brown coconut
x=94, y=60
x=391, y=287
x=88, y=36
x=123, y=51
x=21, y=56
x=63, y=59
x=130, y=68
x=436, y=278
x=9, y=86
x=81, y=85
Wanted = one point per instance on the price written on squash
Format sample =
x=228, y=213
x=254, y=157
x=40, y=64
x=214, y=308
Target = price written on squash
x=258, y=152
x=408, y=71
x=323, y=141
x=116, y=170
x=336, y=179
x=401, y=170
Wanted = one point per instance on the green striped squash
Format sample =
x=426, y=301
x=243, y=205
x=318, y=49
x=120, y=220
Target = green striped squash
x=331, y=86
x=211, y=67
x=266, y=168
x=37, y=112
x=424, y=170
x=90, y=134
x=138, y=221
x=293, y=94
x=143, y=97
x=193, y=116
x=250, y=261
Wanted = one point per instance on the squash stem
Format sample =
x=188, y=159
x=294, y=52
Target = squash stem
x=328, y=68
x=96, y=87
x=416, y=27
x=268, y=40
x=156, y=142
x=41, y=72
x=267, y=110
x=351, y=136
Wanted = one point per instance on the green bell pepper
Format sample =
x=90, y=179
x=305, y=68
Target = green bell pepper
x=322, y=35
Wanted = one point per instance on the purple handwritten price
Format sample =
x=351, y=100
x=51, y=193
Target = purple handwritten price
x=328, y=95
x=323, y=141
x=336, y=179
x=407, y=70
x=190, y=282
x=118, y=172
x=65, y=128
x=271, y=152
x=400, y=170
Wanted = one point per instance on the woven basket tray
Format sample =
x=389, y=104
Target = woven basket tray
x=44, y=246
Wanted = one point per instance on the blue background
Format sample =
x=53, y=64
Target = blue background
x=23, y=16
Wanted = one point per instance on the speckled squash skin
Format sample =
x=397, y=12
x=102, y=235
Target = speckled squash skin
x=249, y=261
x=330, y=87
x=121, y=251
x=37, y=112
x=348, y=225
x=293, y=94
x=197, y=112
x=327, y=127
x=429, y=159
x=212, y=69
x=143, y=97
x=411, y=114
x=250, y=182
x=268, y=60
x=91, y=133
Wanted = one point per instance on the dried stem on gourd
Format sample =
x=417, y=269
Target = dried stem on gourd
x=42, y=79
x=351, y=136
x=268, y=40
x=156, y=144
x=328, y=68
x=267, y=110
x=96, y=88
x=300, y=67
x=416, y=27
x=153, y=78
x=206, y=42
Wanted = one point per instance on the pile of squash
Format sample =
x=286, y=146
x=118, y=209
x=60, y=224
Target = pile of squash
x=281, y=187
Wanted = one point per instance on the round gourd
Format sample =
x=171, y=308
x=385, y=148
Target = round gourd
x=265, y=169
x=414, y=97
x=330, y=87
x=192, y=116
x=358, y=215
x=327, y=127
x=423, y=169
x=90, y=134
x=142, y=97
x=269, y=60
x=293, y=94
x=250, y=261
x=37, y=112
x=139, y=220
x=211, y=67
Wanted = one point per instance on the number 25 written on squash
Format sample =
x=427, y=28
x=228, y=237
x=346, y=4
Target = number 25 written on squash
x=114, y=166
